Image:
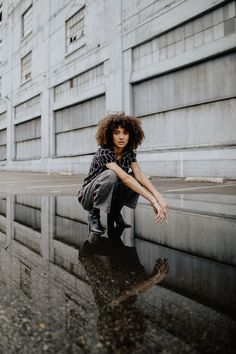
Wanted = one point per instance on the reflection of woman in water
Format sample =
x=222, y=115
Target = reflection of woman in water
x=116, y=277
x=109, y=185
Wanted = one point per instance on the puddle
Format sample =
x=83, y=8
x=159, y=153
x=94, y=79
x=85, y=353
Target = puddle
x=59, y=293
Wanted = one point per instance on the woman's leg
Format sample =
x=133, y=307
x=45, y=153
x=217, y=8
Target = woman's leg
x=108, y=193
x=104, y=188
x=122, y=195
x=98, y=195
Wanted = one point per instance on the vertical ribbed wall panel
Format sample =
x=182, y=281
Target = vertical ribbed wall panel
x=75, y=127
x=192, y=107
x=3, y=144
x=28, y=139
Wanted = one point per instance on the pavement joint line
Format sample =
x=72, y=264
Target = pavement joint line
x=58, y=185
x=194, y=188
x=166, y=179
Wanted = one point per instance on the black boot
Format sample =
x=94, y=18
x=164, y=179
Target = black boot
x=118, y=218
x=120, y=222
x=94, y=221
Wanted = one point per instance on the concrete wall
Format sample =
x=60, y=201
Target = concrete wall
x=171, y=63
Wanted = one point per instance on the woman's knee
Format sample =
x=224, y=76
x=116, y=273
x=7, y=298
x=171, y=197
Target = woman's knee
x=109, y=176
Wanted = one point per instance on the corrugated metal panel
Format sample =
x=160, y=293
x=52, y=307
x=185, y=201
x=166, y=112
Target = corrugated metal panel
x=28, y=108
x=28, y=139
x=3, y=144
x=3, y=137
x=3, y=116
x=3, y=152
x=28, y=130
x=196, y=33
x=28, y=216
x=32, y=201
x=200, y=83
x=3, y=206
x=75, y=127
x=31, y=241
x=70, y=231
x=76, y=142
x=28, y=149
x=80, y=83
x=81, y=115
x=213, y=123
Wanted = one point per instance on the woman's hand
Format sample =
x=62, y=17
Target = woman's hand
x=161, y=213
x=165, y=207
x=163, y=204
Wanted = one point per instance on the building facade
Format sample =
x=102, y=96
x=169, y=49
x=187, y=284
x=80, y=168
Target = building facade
x=66, y=64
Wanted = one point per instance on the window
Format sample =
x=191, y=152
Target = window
x=0, y=14
x=26, y=67
x=75, y=31
x=27, y=22
x=0, y=50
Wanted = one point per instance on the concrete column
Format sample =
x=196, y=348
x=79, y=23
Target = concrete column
x=45, y=96
x=113, y=67
x=10, y=220
x=51, y=125
x=9, y=90
x=47, y=227
x=45, y=130
x=127, y=88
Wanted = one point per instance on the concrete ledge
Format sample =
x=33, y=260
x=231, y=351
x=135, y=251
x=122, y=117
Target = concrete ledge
x=205, y=179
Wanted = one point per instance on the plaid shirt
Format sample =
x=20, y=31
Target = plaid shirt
x=106, y=155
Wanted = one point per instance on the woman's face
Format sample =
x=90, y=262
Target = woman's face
x=120, y=137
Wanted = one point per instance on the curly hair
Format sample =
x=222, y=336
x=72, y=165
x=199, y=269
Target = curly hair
x=107, y=125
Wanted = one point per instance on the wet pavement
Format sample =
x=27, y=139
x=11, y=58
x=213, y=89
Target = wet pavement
x=64, y=292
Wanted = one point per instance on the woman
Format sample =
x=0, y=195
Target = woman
x=110, y=185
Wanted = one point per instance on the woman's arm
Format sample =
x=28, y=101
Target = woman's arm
x=144, y=181
x=133, y=184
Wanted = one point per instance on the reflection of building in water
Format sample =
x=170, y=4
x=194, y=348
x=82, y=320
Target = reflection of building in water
x=200, y=224
x=25, y=279
x=193, y=293
x=194, y=276
x=28, y=211
x=70, y=225
x=64, y=294
x=27, y=221
x=3, y=214
x=48, y=270
x=3, y=235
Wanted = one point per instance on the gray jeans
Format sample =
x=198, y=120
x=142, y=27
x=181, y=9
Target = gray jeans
x=105, y=191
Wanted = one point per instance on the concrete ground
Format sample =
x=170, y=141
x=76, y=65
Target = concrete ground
x=40, y=184
x=199, y=243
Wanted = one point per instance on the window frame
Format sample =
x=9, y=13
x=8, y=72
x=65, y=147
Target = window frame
x=23, y=78
x=0, y=13
x=23, y=33
x=70, y=36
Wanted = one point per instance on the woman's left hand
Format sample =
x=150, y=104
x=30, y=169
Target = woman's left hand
x=161, y=214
